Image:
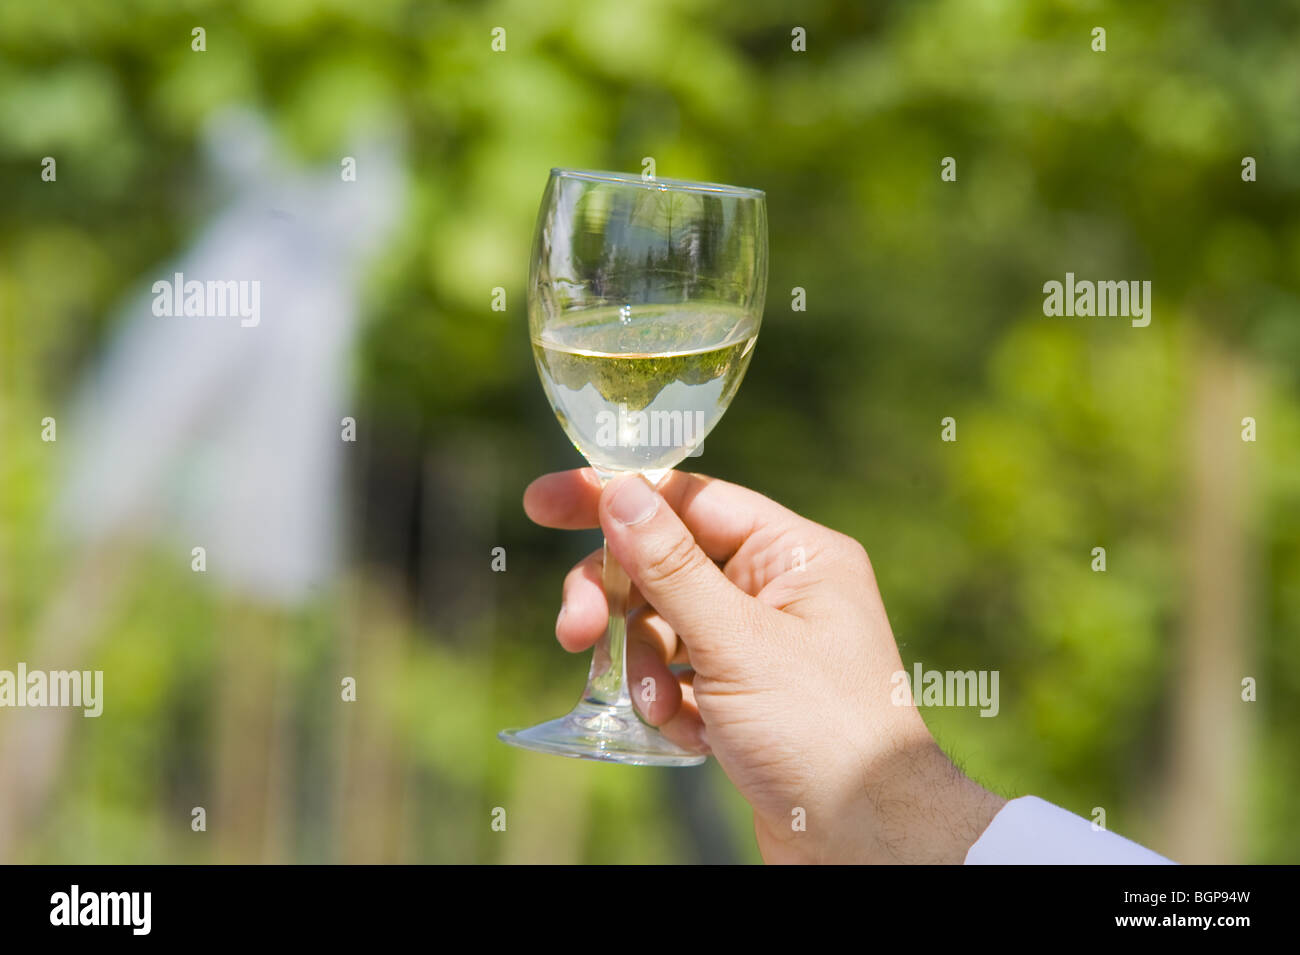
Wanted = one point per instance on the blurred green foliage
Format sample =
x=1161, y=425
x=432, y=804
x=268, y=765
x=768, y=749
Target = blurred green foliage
x=924, y=301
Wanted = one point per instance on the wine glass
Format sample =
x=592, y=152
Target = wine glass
x=644, y=302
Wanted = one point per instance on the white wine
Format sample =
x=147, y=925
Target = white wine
x=638, y=388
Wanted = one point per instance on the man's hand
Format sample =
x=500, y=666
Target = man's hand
x=791, y=656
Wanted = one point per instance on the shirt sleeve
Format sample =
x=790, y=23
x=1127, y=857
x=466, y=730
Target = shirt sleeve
x=1031, y=831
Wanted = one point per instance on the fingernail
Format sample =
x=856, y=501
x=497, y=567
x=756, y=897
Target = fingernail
x=633, y=501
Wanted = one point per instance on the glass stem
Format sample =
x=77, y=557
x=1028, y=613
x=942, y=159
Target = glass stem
x=607, y=681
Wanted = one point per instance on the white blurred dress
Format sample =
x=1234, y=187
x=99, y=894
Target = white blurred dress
x=202, y=432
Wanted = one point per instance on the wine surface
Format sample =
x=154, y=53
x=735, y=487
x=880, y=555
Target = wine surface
x=638, y=388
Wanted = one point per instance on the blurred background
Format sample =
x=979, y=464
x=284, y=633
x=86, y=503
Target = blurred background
x=372, y=558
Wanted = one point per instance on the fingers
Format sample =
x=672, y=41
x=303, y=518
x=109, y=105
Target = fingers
x=665, y=699
x=706, y=610
x=648, y=627
x=584, y=615
x=583, y=609
x=686, y=728
x=564, y=499
x=651, y=646
x=720, y=516
x=653, y=686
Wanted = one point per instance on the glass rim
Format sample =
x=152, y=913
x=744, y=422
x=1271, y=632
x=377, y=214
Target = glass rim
x=678, y=185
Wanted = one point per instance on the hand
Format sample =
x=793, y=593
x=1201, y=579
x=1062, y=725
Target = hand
x=791, y=656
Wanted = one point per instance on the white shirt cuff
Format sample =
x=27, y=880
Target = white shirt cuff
x=1031, y=831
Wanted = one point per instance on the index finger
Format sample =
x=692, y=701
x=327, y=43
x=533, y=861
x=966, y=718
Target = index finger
x=564, y=499
x=720, y=516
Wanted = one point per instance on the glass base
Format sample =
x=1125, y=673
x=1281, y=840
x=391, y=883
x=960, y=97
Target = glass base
x=610, y=733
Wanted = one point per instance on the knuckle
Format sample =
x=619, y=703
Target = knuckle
x=679, y=559
x=853, y=551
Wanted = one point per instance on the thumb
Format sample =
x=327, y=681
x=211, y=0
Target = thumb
x=710, y=614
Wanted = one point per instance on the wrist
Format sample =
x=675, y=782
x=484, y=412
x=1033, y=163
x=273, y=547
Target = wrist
x=925, y=811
